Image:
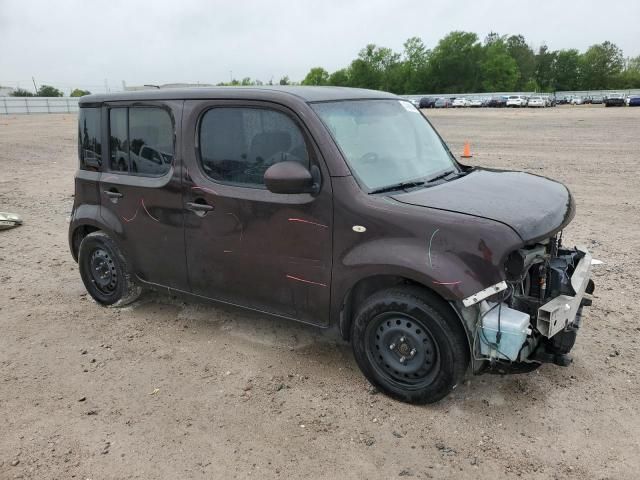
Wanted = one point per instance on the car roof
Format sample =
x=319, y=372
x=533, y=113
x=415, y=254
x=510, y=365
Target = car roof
x=307, y=94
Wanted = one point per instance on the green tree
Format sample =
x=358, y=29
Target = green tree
x=339, y=78
x=415, y=66
x=454, y=64
x=375, y=68
x=499, y=69
x=493, y=37
x=524, y=57
x=285, y=80
x=601, y=66
x=531, y=86
x=48, y=91
x=544, y=68
x=566, y=70
x=21, y=92
x=630, y=76
x=77, y=92
x=316, y=76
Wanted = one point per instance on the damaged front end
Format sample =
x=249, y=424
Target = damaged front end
x=533, y=316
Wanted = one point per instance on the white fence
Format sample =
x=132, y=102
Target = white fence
x=558, y=94
x=26, y=105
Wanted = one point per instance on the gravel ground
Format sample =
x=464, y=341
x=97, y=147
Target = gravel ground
x=174, y=388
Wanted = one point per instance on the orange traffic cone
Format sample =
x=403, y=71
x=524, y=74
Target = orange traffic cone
x=467, y=151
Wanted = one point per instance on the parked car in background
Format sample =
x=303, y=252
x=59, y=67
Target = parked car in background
x=597, y=99
x=537, y=101
x=634, y=101
x=427, y=102
x=614, y=100
x=497, y=102
x=577, y=100
x=414, y=101
x=516, y=101
x=442, y=103
x=460, y=102
x=476, y=102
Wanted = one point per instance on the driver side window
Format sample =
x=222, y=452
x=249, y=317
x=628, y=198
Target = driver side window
x=237, y=145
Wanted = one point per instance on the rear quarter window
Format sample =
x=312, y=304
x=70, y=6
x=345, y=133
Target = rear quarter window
x=141, y=140
x=89, y=139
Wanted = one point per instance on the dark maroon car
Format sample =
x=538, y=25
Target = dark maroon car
x=329, y=206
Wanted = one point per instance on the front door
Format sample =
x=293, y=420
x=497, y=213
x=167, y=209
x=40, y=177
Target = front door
x=140, y=189
x=246, y=245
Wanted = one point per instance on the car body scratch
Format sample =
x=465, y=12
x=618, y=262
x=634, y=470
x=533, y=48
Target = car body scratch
x=291, y=277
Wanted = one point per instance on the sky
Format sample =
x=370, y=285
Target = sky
x=96, y=45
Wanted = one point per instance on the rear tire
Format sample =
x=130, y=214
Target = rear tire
x=410, y=345
x=105, y=272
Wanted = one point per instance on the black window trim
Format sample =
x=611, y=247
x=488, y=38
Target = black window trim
x=309, y=143
x=128, y=106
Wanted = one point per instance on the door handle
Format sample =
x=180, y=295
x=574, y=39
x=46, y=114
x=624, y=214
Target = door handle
x=113, y=194
x=199, y=207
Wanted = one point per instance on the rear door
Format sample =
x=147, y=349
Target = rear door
x=246, y=245
x=140, y=188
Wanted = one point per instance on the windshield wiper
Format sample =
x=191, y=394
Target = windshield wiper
x=441, y=176
x=398, y=186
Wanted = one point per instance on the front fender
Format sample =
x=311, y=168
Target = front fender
x=452, y=262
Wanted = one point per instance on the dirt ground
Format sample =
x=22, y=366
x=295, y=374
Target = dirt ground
x=172, y=388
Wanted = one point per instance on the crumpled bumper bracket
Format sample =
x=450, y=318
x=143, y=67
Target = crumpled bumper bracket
x=557, y=314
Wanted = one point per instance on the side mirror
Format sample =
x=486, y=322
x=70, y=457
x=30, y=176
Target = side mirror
x=290, y=177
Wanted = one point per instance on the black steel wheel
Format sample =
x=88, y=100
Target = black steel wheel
x=410, y=344
x=402, y=349
x=105, y=272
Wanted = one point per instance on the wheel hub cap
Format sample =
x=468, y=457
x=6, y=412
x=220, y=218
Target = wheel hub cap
x=402, y=348
x=103, y=271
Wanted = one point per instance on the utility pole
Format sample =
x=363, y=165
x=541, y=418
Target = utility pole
x=34, y=84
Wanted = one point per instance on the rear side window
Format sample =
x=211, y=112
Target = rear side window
x=89, y=139
x=140, y=141
x=118, y=140
x=237, y=145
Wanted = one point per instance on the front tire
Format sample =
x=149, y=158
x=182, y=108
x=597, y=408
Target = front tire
x=410, y=345
x=105, y=271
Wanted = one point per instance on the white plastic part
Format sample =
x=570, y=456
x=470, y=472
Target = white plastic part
x=514, y=327
x=482, y=294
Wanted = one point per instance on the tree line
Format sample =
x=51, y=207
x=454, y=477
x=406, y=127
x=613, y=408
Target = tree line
x=461, y=63
x=48, y=91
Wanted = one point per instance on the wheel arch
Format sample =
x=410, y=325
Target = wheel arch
x=78, y=234
x=367, y=286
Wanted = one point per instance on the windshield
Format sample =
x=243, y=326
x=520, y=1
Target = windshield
x=385, y=142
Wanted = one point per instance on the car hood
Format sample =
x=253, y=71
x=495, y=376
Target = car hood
x=534, y=207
